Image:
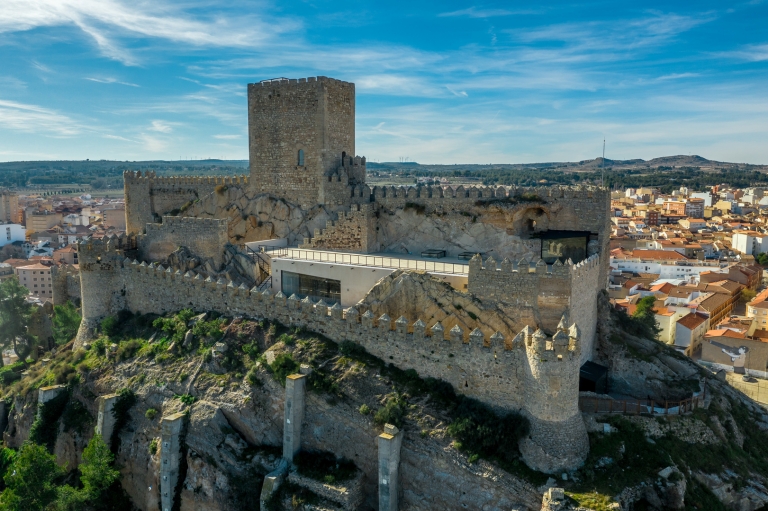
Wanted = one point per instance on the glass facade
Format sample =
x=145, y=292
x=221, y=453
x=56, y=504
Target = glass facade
x=316, y=288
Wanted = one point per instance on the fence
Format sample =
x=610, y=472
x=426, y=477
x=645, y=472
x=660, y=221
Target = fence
x=365, y=260
x=589, y=404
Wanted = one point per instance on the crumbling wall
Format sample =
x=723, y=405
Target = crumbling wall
x=206, y=238
x=352, y=231
x=148, y=197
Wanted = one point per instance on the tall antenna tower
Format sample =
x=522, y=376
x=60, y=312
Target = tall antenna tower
x=602, y=165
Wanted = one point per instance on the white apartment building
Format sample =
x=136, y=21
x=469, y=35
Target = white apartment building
x=12, y=232
x=749, y=242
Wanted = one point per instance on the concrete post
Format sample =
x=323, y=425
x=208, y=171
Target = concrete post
x=272, y=482
x=45, y=394
x=170, y=452
x=389, y=465
x=105, y=424
x=295, y=387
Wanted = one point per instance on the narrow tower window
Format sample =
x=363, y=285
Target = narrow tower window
x=301, y=158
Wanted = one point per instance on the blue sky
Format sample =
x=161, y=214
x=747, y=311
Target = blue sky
x=437, y=82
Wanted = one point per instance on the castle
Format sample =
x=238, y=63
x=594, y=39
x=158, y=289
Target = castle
x=305, y=241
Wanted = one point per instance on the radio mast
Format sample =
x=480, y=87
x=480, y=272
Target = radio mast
x=602, y=178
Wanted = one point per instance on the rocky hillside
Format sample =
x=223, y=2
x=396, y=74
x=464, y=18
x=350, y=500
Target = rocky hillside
x=227, y=375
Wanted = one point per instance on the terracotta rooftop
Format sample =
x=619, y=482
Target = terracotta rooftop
x=692, y=320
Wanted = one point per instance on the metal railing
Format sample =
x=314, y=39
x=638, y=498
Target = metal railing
x=599, y=405
x=365, y=260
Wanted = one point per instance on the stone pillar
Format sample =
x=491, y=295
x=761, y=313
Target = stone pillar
x=389, y=466
x=272, y=482
x=170, y=452
x=45, y=394
x=105, y=423
x=295, y=387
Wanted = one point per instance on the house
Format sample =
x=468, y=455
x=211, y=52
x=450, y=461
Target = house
x=691, y=329
x=66, y=255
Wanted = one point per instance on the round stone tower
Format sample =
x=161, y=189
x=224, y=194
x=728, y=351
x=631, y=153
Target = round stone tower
x=558, y=439
x=100, y=264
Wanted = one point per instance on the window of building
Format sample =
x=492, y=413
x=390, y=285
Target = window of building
x=301, y=158
x=307, y=285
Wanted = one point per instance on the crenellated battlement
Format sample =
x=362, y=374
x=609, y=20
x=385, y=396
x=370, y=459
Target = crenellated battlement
x=150, y=177
x=533, y=373
x=283, y=82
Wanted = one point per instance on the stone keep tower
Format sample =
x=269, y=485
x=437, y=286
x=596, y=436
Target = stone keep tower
x=301, y=135
x=558, y=438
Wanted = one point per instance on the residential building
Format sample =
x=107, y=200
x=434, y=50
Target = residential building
x=66, y=255
x=37, y=279
x=10, y=233
x=114, y=217
x=9, y=207
x=690, y=330
x=749, y=242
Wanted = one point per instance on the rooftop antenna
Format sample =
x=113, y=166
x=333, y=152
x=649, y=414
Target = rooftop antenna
x=602, y=178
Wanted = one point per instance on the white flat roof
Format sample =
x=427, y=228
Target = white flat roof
x=375, y=260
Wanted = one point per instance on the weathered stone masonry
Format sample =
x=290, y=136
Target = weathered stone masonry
x=205, y=237
x=148, y=197
x=488, y=368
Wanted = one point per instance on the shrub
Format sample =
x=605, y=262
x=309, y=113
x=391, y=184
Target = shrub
x=287, y=339
x=109, y=326
x=150, y=414
x=187, y=399
x=480, y=431
x=120, y=411
x=76, y=416
x=220, y=189
x=153, y=446
x=365, y=409
x=127, y=349
x=252, y=377
x=282, y=366
x=45, y=428
x=392, y=412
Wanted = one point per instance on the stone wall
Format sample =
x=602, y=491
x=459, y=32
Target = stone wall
x=148, y=197
x=548, y=291
x=66, y=283
x=354, y=231
x=205, y=237
x=312, y=115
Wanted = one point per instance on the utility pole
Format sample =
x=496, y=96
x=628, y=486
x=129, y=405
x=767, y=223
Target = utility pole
x=602, y=178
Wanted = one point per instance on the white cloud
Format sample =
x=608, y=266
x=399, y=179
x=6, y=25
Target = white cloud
x=751, y=53
x=227, y=137
x=475, y=12
x=37, y=119
x=153, y=144
x=161, y=126
x=107, y=21
x=111, y=80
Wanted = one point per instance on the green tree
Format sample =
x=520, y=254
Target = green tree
x=644, y=317
x=30, y=480
x=747, y=295
x=97, y=471
x=15, y=314
x=66, y=321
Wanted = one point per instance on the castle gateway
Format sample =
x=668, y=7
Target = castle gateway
x=492, y=289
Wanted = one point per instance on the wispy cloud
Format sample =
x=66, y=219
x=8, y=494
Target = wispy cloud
x=227, y=137
x=479, y=12
x=108, y=21
x=750, y=53
x=111, y=80
x=36, y=119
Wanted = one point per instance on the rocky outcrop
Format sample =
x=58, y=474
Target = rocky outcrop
x=403, y=292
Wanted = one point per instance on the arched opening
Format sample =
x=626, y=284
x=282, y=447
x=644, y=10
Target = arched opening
x=301, y=158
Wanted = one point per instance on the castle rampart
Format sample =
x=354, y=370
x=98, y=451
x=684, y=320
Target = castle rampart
x=531, y=372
